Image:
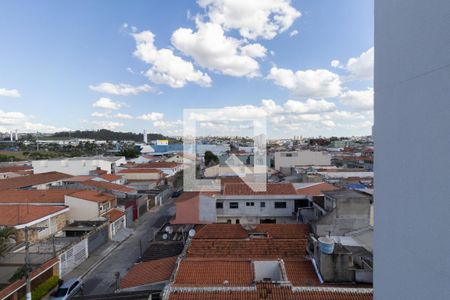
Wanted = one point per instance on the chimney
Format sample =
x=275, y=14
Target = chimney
x=11, y=135
x=17, y=137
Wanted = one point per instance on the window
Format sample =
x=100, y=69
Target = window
x=280, y=204
x=234, y=205
x=237, y=221
x=262, y=204
x=228, y=221
x=219, y=205
x=250, y=203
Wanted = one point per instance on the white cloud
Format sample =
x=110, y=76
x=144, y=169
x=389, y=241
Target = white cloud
x=107, y=103
x=211, y=49
x=166, y=67
x=29, y=126
x=309, y=106
x=328, y=123
x=12, y=118
x=123, y=116
x=358, y=100
x=293, y=32
x=310, y=83
x=110, y=125
x=122, y=89
x=22, y=122
x=9, y=93
x=252, y=18
x=360, y=68
x=153, y=116
x=97, y=114
x=167, y=124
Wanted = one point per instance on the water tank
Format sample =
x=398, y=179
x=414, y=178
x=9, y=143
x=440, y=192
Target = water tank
x=326, y=245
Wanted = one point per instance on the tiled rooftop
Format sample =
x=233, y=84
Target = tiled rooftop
x=157, y=165
x=271, y=189
x=221, y=231
x=35, y=196
x=139, y=170
x=301, y=272
x=79, y=178
x=110, y=177
x=108, y=186
x=12, y=215
x=149, y=272
x=94, y=196
x=316, y=189
x=201, y=272
x=284, y=231
x=114, y=214
x=261, y=248
x=31, y=180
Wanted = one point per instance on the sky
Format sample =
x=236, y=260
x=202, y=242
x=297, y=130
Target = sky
x=304, y=66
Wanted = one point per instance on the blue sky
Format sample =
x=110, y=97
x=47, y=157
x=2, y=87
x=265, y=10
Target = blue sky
x=54, y=56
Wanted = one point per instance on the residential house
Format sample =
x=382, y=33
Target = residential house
x=40, y=181
x=89, y=205
x=10, y=171
x=286, y=160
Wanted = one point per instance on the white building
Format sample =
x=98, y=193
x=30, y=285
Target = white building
x=78, y=165
x=289, y=159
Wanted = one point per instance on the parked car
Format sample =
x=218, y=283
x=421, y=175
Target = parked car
x=176, y=194
x=67, y=289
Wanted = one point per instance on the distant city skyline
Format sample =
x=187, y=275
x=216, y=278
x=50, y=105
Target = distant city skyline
x=307, y=66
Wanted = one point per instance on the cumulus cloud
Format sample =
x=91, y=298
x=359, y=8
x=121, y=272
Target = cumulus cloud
x=166, y=67
x=121, y=89
x=360, y=68
x=12, y=118
x=293, y=32
x=309, y=106
x=358, y=100
x=211, y=49
x=97, y=114
x=107, y=103
x=310, y=83
x=9, y=93
x=252, y=18
x=110, y=125
x=161, y=124
x=123, y=116
x=22, y=122
x=153, y=116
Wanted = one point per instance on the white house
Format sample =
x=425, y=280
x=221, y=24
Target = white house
x=290, y=159
x=78, y=165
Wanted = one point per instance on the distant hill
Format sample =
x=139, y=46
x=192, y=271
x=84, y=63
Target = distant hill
x=104, y=134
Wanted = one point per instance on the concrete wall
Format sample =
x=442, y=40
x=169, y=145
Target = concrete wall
x=73, y=167
x=207, y=209
x=412, y=113
x=301, y=158
x=141, y=176
x=80, y=209
x=256, y=211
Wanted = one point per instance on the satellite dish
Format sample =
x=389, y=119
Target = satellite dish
x=168, y=229
x=165, y=236
x=192, y=233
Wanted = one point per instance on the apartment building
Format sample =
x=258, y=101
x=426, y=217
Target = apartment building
x=289, y=159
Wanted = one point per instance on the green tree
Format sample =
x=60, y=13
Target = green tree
x=211, y=159
x=6, y=233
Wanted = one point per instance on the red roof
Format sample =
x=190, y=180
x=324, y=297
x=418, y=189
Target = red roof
x=221, y=231
x=110, y=177
x=271, y=189
x=149, y=272
x=139, y=170
x=157, y=165
x=79, y=178
x=269, y=291
x=301, y=272
x=35, y=196
x=102, y=185
x=12, y=215
x=16, y=169
x=258, y=248
x=316, y=189
x=114, y=214
x=31, y=180
x=93, y=196
x=284, y=231
x=194, y=272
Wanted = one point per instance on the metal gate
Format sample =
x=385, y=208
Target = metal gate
x=73, y=257
x=97, y=238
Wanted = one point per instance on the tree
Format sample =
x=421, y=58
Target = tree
x=6, y=233
x=130, y=153
x=211, y=159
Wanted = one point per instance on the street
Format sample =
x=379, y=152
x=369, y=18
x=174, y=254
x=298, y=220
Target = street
x=102, y=279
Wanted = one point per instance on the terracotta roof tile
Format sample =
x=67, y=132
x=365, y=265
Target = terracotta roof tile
x=157, y=165
x=284, y=231
x=114, y=214
x=271, y=189
x=30, y=180
x=35, y=196
x=149, y=272
x=102, y=185
x=260, y=248
x=79, y=178
x=301, y=272
x=194, y=272
x=16, y=169
x=221, y=231
x=316, y=189
x=12, y=215
x=139, y=170
x=93, y=196
x=110, y=177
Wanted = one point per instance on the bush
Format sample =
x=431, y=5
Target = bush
x=43, y=289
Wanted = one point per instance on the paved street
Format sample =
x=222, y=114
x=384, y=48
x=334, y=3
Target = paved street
x=102, y=279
